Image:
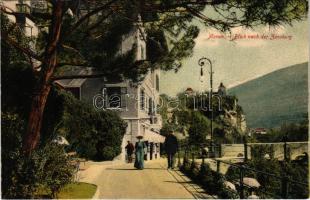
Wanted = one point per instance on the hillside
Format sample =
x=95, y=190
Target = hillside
x=278, y=97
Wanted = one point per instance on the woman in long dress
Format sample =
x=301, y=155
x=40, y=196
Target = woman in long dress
x=139, y=147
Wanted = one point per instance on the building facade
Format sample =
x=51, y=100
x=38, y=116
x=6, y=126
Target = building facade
x=135, y=102
x=22, y=10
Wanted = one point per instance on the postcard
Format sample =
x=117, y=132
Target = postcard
x=154, y=99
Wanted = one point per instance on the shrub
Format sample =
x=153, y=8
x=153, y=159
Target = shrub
x=186, y=165
x=23, y=175
x=299, y=173
x=225, y=193
x=210, y=180
x=17, y=181
x=107, y=153
x=217, y=184
x=194, y=170
x=198, y=129
x=95, y=135
x=205, y=175
x=57, y=171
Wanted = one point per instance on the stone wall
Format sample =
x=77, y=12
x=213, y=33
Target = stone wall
x=234, y=150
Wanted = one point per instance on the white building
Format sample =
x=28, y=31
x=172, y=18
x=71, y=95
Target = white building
x=23, y=10
x=136, y=102
x=22, y=16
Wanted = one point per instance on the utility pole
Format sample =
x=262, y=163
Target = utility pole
x=201, y=63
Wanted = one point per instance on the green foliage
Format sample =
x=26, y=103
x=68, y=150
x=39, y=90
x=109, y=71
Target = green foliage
x=108, y=152
x=167, y=128
x=64, y=115
x=12, y=55
x=77, y=190
x=163, y=108
x=225, y=193
x=18, y=79
x=186, y=165
x=214, y=182
x=259, y=151
x=18, y=83
x=193, y=170
x=93, y=134
x=294, y=132
x=199, y=129
x=99, y=40
x=205, y=175
x=224, y=131
x=57, y=172
x=11, y=128
x=271, y=184
x=183, y=117
x=298, y=172
x=23, y=175
x=210, y=180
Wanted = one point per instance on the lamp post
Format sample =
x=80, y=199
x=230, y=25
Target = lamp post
x=202, y=62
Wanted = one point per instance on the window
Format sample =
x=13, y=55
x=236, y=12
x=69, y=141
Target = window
x=115, y=97
x=150, y=106
x=153, y=106
x=142, y=99
x=157, y=82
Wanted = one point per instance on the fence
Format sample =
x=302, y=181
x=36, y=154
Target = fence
x=280, y=150
x=275, y=185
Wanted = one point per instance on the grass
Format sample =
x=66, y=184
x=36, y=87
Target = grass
x=77, y=190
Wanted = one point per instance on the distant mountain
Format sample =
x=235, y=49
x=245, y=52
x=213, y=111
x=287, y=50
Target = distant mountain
x=276, y=98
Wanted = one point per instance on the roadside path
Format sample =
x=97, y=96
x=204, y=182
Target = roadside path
x=155, y=181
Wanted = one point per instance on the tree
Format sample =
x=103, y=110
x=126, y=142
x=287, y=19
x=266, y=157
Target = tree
x=95, y=135
x=47, y=167
x=172, y=17
x=294, y=132
x=198, y=129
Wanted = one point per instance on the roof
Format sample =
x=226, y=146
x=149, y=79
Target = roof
x=77, y=82
x=152, y=136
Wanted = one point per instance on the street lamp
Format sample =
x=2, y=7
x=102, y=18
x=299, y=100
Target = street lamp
x=202, y=62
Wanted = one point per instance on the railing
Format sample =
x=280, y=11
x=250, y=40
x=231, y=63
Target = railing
x=23, y=8
x=275, y=185
x=285, y=183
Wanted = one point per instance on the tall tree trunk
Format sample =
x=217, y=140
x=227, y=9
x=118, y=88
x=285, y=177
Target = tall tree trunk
x=32, y=135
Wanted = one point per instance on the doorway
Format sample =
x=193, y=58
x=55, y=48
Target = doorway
x=151, y=150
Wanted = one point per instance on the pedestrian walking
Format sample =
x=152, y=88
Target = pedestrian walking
x=129, y=149
x=139, y=153
x=171, y=147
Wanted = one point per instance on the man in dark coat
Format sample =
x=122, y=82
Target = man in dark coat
x=129, y=148
x=171, y=147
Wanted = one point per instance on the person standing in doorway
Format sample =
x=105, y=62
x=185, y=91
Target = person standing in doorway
x=171, y=147
x=129, y=149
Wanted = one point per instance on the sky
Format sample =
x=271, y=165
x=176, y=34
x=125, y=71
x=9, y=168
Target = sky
x=240, y=60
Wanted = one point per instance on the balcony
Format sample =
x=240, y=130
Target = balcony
x=39, y=7
x=23, y=8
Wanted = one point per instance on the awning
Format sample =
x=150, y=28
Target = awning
x=151, y=136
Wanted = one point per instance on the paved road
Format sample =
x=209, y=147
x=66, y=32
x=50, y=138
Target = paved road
x=155, y=181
